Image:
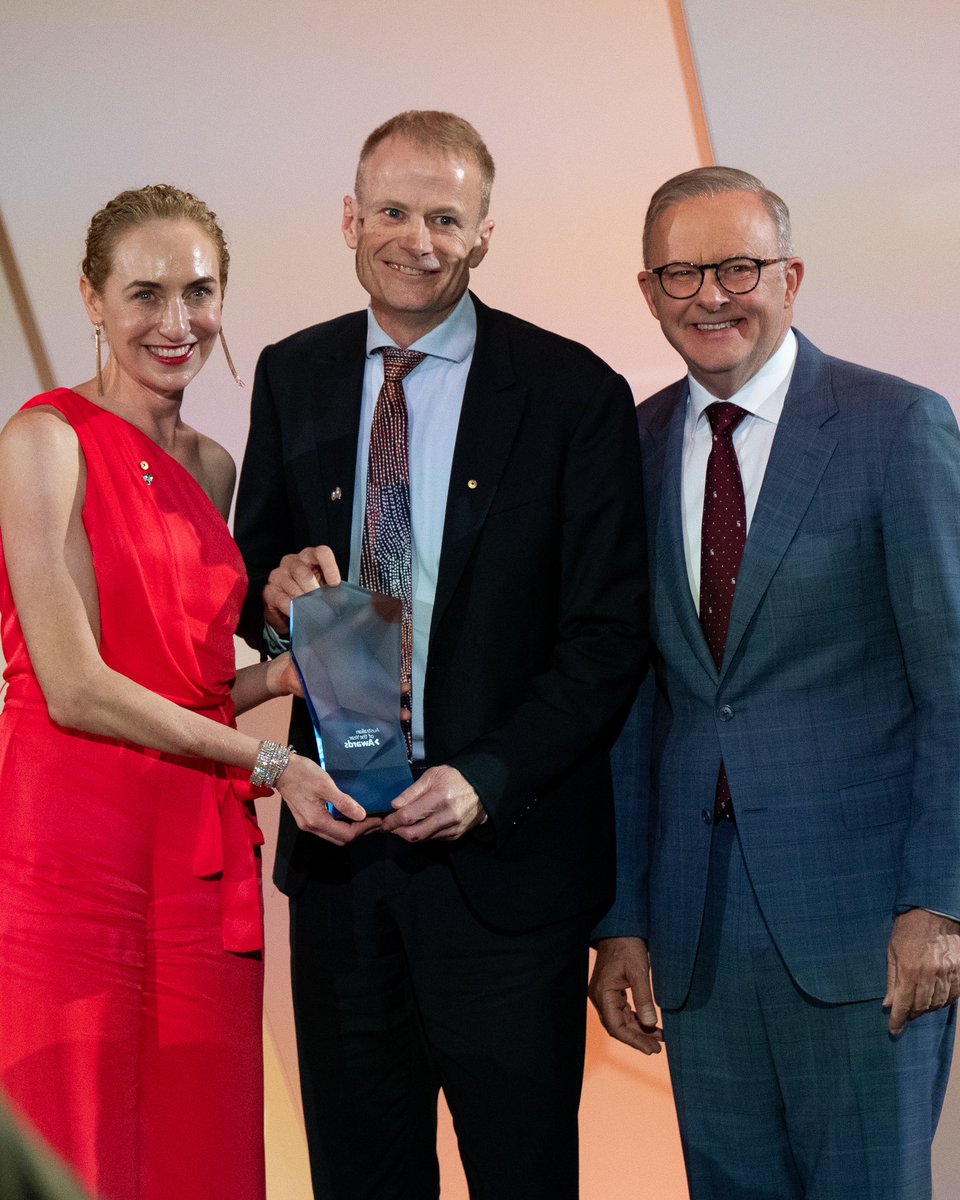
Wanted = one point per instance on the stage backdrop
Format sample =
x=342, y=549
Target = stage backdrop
x=844, y=109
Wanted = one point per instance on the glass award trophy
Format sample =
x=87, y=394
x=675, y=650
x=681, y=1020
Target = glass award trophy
x=345, y=642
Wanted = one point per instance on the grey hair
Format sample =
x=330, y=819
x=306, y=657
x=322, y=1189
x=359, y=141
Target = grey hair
x=704, y=182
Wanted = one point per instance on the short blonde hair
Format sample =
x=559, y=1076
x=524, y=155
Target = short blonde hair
x=156, y=201
x=441, y=132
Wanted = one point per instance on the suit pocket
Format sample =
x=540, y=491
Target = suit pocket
x=827, y=571
x=876, y=802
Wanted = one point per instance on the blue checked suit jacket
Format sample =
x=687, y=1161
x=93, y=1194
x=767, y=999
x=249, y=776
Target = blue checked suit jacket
x=837, y=708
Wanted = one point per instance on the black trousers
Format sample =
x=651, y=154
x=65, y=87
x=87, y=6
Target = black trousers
x=399, y=990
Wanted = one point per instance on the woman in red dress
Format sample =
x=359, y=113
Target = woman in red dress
x=130, y=914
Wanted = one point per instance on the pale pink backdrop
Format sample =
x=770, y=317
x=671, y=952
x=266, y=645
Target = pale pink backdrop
x=586, y=107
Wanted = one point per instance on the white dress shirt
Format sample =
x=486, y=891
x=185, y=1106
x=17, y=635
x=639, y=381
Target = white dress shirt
x=762, y=397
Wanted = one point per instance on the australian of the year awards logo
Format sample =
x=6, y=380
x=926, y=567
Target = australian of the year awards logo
x=363, y=739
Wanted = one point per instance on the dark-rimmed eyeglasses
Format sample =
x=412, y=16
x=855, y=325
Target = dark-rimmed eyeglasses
x=682, y=281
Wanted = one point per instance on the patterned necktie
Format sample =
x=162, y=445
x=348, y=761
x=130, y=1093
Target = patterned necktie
x=386, y=554
x=723, y=534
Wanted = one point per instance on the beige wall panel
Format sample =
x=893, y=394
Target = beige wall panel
x=262, y=114
x=851, y=112
x=17, y=369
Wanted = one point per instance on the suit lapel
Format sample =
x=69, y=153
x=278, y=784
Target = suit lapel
x=493, y=403
x=336, y=426
x=799, y=456
x=671, y=559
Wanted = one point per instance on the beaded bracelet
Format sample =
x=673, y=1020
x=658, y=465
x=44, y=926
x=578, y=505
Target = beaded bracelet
x=272, y=759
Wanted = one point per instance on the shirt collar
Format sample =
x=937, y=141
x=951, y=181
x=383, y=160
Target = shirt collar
x=763, y=393
x=453, y=339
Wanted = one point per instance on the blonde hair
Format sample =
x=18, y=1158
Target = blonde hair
x=156, y=201
x=441, y=132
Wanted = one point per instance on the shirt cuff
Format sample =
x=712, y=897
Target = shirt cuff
x=274, y=643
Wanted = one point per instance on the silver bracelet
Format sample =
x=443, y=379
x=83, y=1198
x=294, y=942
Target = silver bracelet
x=272, y=759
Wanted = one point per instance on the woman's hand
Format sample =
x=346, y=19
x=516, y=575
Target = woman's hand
x=283, y=678
x=307, y=790
x=265, y=681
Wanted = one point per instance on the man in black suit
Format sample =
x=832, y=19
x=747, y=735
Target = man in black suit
x=446, y=944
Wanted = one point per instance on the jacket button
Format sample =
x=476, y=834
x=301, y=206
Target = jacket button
x=707, y=816
x=725, y=713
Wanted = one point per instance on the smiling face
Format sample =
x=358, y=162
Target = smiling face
x=723, y=339
x=417, y=230
x=159, y=306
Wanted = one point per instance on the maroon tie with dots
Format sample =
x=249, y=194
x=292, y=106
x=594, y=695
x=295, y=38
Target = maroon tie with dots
x=386, y=553
x=723, y=534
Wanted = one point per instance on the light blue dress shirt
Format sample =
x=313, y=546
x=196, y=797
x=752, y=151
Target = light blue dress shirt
x=434, y=392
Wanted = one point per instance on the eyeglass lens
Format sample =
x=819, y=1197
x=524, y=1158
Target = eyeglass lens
x=735, y=275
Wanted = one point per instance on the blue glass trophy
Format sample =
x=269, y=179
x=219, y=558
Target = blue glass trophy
x=345, y=642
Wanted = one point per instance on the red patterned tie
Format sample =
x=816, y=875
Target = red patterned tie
x=386, y=554
x=723, y=534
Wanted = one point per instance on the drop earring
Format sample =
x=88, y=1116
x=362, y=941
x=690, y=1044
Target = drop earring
x=233, y=370
x=97, y=334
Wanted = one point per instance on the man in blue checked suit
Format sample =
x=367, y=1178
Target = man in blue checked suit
x=789, y=786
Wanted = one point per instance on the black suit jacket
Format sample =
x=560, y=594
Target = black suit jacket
x=538, y=632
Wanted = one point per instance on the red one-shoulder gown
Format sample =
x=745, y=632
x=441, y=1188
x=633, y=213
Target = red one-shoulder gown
x=130, y=915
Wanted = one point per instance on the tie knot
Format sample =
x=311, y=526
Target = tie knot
x=397, y=363
x=724, y=417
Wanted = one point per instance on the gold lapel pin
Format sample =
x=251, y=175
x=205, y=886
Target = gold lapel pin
x=472, y=484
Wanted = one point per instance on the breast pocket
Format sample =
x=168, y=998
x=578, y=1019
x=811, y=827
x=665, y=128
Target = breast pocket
x=827, y=570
